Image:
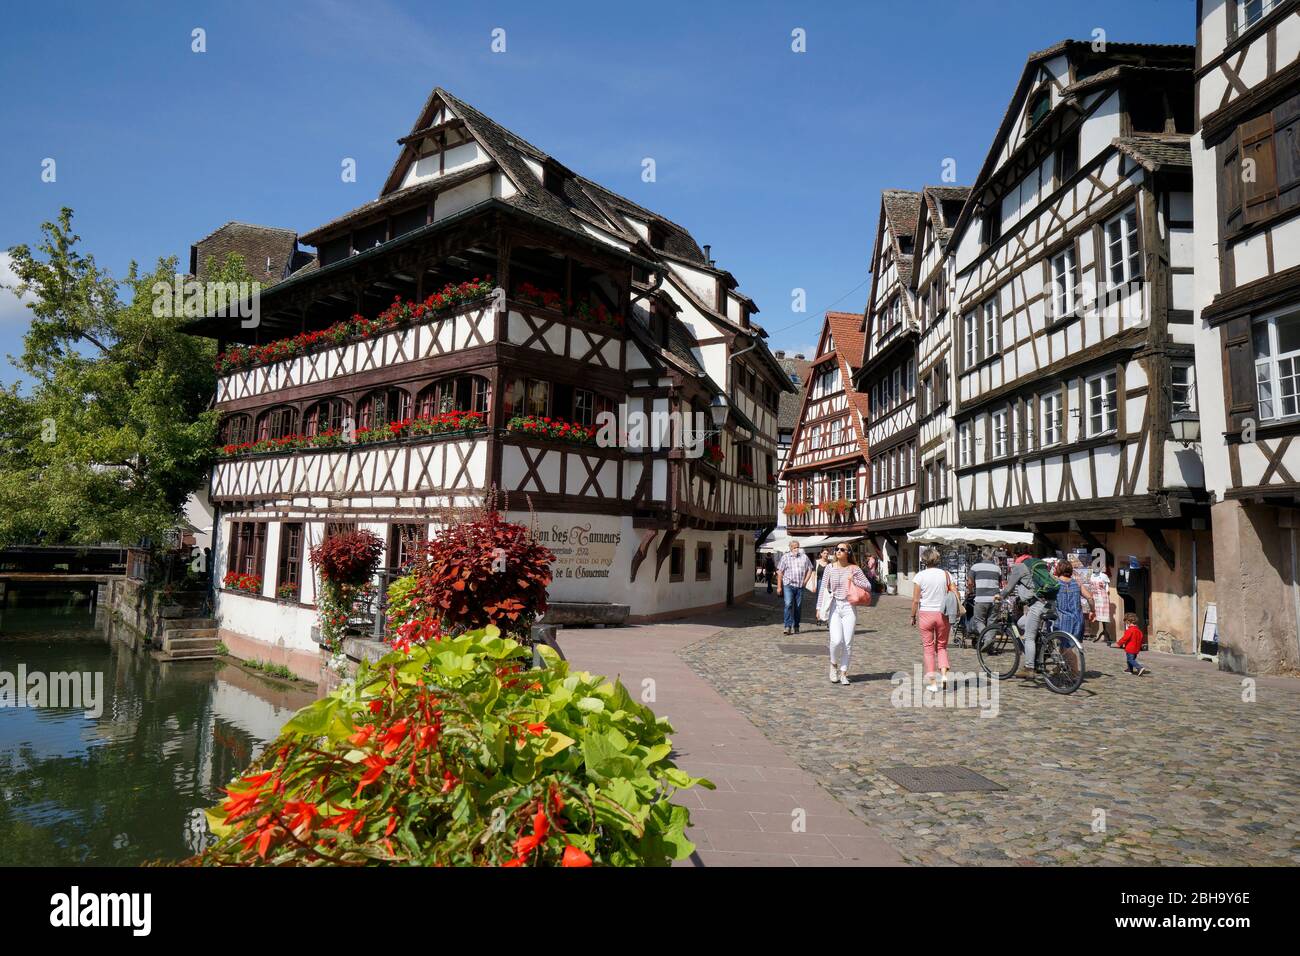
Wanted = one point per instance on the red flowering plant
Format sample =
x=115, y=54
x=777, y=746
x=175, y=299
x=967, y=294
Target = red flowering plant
x=596, y=313
x=556, y=429
x=796, y=508
x=397, y=315
x=345, y=562
x=714, y=453
x=453, y=754
x=480, y=572
x=438, y=424
x=532, y=295
x=746, y=471
x=237, y=581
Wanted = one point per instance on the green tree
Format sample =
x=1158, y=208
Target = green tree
x=114, y=431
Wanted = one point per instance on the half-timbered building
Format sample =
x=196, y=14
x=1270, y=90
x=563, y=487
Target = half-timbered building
x=935, y=273
x=825, y=475
x=887, y=376
x=512, y=301
x=1246, y=152
x=1074, y=342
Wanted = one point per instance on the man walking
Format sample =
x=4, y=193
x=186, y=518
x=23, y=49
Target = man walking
x=791, y=575
x=983, y=580
x=769, y=571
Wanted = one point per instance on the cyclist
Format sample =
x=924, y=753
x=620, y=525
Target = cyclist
x=1020, y=586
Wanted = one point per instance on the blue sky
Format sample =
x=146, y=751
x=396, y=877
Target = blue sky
x=775, y=158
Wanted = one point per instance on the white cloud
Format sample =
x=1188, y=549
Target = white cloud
x=12, y=309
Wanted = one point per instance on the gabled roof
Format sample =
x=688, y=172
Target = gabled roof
x=901, y=207
x=1154, y=151
x=582, y=203
x=790, y=403
x=935, y=198
x=1173, y=56
x=845, y=328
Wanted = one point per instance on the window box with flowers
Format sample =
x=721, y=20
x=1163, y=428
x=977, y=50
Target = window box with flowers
x=837, y=507
x=746, y=471
x=443, y=423
x=553, y=429
x=287, y=592
x=398, y=315
x=247, y=583
x=714, y=453
x=797, y=509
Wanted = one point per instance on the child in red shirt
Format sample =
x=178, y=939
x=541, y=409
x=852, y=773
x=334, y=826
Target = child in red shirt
x=1131, y=643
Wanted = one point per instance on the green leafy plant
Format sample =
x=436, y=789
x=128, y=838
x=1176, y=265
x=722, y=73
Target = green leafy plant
x=454, y=754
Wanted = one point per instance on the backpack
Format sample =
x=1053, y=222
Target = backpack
x=1044, y=583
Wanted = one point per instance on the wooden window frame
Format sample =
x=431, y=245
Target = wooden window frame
x=289, y=564
x=246, y=552
x=1112, y=426
x=704, y=548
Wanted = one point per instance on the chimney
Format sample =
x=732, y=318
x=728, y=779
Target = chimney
x=798, y=355
x=779, y=353
x=708, y=254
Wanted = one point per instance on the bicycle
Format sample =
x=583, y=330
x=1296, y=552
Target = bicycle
x=1058, y=655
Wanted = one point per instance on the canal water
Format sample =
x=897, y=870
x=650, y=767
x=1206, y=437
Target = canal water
x=130, y=784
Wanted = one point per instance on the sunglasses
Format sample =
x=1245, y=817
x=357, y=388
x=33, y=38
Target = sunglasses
x=841, y=550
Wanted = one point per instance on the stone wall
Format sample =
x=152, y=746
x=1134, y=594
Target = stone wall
x=1255, y=558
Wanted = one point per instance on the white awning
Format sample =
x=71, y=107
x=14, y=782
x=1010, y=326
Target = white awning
x=969, y=536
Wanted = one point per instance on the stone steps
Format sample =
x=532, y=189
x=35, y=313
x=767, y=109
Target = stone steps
x=189, y=639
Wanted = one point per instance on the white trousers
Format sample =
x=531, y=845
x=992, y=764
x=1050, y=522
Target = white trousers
x=841, y=621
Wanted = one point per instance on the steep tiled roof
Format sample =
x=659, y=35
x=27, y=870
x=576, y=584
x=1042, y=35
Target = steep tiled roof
x=901, y=209
x=270, y=254
x=1154, y=151
x=935, y=197
x=791, y=403
x=581, y=200
x=846, y=329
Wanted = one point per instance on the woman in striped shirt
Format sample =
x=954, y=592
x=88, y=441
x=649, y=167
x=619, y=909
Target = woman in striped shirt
x=833, y=607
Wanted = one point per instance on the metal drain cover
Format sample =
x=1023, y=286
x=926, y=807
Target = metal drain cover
x=947, y=779
x=802, y=648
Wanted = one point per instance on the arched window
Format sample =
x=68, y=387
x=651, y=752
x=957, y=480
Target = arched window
x=464, y=393
x=325, y=415
x=383, y=406
x=236, y=429
x=277, y=423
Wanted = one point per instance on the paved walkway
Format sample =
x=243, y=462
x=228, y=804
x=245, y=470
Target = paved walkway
x=766, y=811
x=1190, y=765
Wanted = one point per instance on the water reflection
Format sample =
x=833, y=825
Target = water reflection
x=131, y=785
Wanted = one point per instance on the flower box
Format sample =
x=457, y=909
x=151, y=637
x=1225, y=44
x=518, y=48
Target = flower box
x=398, y=315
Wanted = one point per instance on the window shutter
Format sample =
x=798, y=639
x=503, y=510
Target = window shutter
x=1286, y=144
x=1259, y=195
x=1240, y=371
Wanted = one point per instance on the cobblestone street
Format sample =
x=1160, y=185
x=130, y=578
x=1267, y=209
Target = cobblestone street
x=1176, y=765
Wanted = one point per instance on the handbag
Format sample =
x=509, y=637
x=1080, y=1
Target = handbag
x=811, y=584
x=856, y=595
x=950, y=607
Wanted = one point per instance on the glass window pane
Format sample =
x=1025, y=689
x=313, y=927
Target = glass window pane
x=1288, y=333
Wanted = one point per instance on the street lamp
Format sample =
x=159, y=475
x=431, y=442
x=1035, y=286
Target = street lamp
x=718, y=409
x=1185, y=426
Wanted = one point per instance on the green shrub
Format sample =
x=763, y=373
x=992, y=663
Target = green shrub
x=454, y=754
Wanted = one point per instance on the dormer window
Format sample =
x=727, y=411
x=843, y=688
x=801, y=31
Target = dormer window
x=1039, y=106
x=658, y=236
x=553, y=180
